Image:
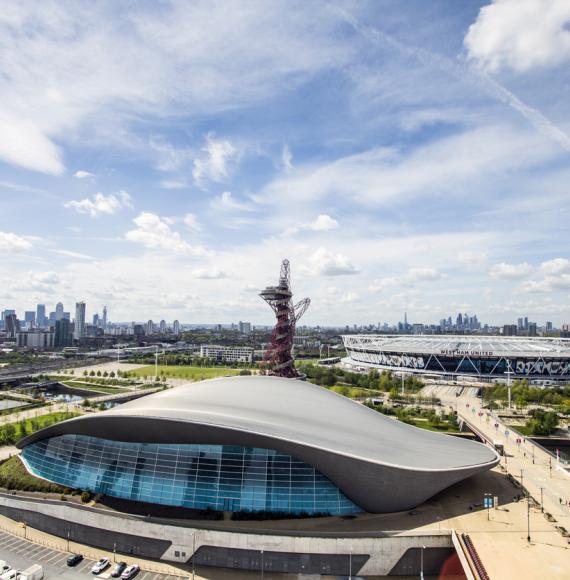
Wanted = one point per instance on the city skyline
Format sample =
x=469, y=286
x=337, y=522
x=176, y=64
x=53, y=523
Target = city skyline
x=405, y=157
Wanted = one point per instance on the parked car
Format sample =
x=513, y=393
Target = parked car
x=34, y=572
x=74, y=559
x=10, y=574
x=118, y=569
x=130, y=572
x=99, y=566
x=4, y=566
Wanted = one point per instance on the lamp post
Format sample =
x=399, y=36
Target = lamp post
x=68, y=533
x=422, y=563
x=193, y=553
x=156, y=364
x=541, y=500
x=262, y=565
x=528, y=517
x=350, y=564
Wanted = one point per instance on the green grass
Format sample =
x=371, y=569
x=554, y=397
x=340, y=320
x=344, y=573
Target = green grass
x=184, y=372
x=13, y=475
x=522, y=429
x=94, y=388
x=12, y=432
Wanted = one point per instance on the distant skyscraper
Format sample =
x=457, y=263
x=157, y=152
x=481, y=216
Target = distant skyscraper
x=63, y=336
x=79, y=330
x=150, y=327
x=162, y=327
x=41, y=315
x=30, y=318
x=244, y=327
x=96, y=320
x=58, y=311
x=176, y=327
x=11, y=324
x=104, y=322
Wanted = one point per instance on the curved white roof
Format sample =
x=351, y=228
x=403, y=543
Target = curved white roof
x=460, y=345
x=300, y=412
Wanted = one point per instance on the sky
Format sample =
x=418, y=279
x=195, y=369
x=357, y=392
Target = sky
x=162, y=158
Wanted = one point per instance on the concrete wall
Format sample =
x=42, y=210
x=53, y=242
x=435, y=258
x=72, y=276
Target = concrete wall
x=300, y=553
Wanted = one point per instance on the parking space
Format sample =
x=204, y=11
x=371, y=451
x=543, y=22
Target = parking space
x=21, y=553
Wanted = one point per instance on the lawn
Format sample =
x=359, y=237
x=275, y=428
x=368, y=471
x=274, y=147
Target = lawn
x=12, y=432
x=184, y=372
x=13, y=475
x=93, y=388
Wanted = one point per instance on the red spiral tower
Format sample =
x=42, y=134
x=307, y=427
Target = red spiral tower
x=278, y=358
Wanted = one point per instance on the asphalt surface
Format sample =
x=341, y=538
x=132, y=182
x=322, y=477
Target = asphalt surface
x=21, y=554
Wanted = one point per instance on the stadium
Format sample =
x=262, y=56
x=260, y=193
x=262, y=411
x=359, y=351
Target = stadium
x=485, y=358
x=253, y=444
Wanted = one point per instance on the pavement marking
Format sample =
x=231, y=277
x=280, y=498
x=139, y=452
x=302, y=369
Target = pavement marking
x=11, y=542
x=45, y=550
x=145, y=574
x=36, y=550
x=52, y=556
x=156, y=577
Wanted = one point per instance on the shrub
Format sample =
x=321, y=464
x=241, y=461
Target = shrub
x=86, y=496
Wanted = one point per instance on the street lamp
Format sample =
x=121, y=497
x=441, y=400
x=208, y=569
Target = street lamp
x=422, y=563
x=193, y=553
x=261, y=564
x=350, y=564
x=528, y=517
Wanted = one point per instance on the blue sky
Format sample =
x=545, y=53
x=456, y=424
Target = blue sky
x=162, y=158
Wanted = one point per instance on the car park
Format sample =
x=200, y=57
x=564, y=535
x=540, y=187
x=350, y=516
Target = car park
x=74, y=559
x=100, y=565
x=118, y=569
x=130, y=572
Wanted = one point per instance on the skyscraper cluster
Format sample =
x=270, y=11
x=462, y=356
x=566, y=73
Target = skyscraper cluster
x=462, y=323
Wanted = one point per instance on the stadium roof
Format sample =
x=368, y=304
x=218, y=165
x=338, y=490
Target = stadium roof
x=461, y=345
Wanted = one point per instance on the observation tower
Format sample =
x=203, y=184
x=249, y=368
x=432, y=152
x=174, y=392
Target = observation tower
x=278, y=358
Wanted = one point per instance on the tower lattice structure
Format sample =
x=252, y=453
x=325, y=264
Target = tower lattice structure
x=278, y=358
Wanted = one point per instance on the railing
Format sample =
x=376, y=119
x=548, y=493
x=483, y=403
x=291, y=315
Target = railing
x=475, y=559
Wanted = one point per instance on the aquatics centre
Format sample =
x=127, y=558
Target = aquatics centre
x=254, y=444
x=485, y=358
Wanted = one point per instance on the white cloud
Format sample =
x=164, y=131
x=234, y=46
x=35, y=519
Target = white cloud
x=83, y=174
x=337, y=296
x=10, y=242
x=209, y=274
x=407, y=280
x=472, y=260
x=154, y=233
x=216, y=163
x=24, y=144
x=556, y=266
x=227, y=202
x=325, y=263
x=192, y=223
x=287, y=158
x=172, y=184
x=70, y=254
x=321, y=223
x=40, y=281
x=187, y=56
x=520, y=34
x=504, y=271
x=101, y=204
x=470, y=161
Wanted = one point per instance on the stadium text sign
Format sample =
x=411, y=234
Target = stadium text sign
x=458, y=352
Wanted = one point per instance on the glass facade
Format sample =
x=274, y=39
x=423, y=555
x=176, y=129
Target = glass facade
x=220, y=477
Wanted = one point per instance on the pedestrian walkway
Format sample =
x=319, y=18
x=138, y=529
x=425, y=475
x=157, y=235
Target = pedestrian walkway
x=547, y=481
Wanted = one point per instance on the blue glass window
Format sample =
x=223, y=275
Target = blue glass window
x=220, y=477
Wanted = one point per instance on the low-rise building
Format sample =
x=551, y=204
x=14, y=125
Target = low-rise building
x=242, y=354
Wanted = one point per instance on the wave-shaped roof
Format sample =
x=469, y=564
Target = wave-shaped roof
x=293, y=411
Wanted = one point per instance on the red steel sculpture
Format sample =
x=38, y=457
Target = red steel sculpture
x=278, y=358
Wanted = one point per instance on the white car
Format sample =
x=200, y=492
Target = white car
x=130, y=571
x=99, y=566
x=4, y=566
